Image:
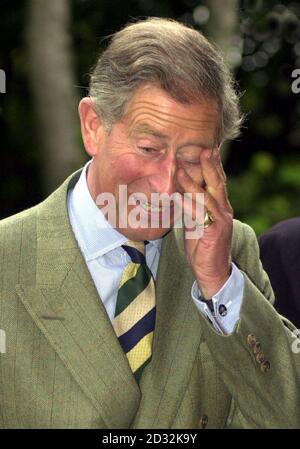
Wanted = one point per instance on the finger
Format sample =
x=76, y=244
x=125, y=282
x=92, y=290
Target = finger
x=214, y=179
x=195, y=172
x=189, y=186
x=219, y=164
x=195, y=178
x=186, y=182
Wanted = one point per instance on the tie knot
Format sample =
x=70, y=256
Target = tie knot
x=136, y=251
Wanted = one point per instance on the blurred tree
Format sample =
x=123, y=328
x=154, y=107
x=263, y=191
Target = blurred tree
x=223, y=28
x=264, y=166
x=52, y=82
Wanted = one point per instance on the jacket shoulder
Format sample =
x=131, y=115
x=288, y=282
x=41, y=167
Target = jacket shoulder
x=14, y=229
x=243, y=237
x=17, y=245
x=22, y=225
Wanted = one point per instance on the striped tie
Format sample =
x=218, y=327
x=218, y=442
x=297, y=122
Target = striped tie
x=135, y=309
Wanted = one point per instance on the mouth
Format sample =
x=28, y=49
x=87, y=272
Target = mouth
x=152, y=208
x=155, y=205
x=155, y=213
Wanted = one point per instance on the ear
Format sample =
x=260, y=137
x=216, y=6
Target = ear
x=92, y=130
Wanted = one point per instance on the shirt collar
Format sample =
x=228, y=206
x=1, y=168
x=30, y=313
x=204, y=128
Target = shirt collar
x=94, y=233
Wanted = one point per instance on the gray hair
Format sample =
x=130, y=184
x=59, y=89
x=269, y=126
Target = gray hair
x=172, y=56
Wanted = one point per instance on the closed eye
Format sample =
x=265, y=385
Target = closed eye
x=192, y=162
x=148, y=149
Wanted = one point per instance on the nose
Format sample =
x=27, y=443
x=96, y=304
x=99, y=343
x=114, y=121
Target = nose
x=163, y=179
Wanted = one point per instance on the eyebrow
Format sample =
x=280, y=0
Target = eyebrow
x=147, y=129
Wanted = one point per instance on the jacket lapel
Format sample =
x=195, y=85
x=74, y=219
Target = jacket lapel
x=176, y=339
x=66, y=307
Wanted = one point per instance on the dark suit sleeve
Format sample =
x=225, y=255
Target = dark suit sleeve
x=280, y=256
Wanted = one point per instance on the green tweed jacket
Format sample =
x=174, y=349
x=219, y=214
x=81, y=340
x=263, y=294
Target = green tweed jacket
x=63, y=367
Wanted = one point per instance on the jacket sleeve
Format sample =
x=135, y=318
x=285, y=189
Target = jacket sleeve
x=259, y=361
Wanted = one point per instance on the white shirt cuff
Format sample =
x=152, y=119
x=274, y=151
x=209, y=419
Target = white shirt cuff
x=226, y=302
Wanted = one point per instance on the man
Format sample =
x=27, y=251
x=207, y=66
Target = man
x=280, y=255
x=132, y=326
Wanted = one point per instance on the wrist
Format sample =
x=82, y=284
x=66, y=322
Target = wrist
x=210, y=287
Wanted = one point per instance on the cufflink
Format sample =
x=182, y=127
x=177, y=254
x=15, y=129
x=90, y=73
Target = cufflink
x=222, y=310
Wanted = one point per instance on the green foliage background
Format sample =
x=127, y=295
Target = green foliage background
x=263, y=165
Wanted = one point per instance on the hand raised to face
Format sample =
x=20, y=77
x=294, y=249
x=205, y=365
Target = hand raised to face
x=209, y=255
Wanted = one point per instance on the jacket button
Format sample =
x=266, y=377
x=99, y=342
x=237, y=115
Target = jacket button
x=203, y=421
x=265, y=366
x=256, y=348
x=260, y=357
x=251, y=340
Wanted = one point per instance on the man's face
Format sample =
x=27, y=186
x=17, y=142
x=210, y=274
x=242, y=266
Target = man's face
x=144, y=150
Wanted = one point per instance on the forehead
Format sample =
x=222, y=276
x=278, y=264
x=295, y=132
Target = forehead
x=152, y=110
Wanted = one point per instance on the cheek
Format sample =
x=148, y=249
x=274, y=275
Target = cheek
x=127, y=169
